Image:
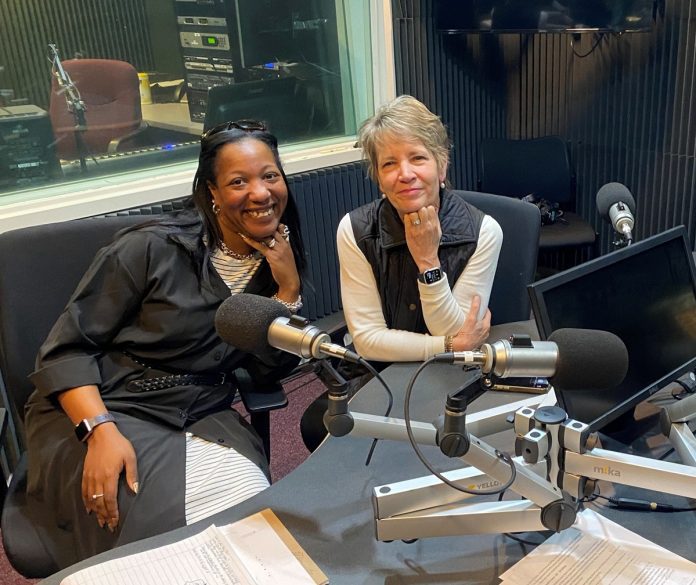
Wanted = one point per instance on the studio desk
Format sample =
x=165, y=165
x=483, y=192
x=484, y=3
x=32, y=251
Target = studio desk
x=326, y=502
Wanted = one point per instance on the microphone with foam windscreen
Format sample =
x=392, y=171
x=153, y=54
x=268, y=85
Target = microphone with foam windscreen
x=242, y=320
x=574, y=359
x=617, y=206
x=256, y=324
x=588, y=359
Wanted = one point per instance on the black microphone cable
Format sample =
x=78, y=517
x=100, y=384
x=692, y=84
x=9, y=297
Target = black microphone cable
x=409, y=431
x=368, y=366
x=633, y=504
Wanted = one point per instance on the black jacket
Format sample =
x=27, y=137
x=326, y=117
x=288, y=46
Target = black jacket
x=146, y=295
x=379, y=233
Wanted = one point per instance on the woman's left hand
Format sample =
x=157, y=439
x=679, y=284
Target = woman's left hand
x=280, y=258
x=423, y=233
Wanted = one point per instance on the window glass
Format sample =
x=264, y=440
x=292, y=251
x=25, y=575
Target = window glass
x=92, y=89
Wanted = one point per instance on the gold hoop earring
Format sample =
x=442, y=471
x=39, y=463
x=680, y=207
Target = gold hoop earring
x=215, y=207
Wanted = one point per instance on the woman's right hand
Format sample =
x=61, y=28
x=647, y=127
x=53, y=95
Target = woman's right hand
x=282, y=263
x=108, y=454
x=475, y=331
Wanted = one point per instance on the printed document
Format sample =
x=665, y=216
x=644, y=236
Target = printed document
x=257, y=550
x=596, y=551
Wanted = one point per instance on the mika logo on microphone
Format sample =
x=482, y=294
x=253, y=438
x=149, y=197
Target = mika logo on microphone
x=606, y=470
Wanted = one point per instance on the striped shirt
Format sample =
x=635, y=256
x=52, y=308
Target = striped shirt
x=218, y=477
x=236, y=273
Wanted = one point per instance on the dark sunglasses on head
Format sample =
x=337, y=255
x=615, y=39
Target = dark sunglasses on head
x=243, y=125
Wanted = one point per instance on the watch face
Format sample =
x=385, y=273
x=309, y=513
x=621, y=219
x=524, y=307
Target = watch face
x=82, y=430
x=432, y=275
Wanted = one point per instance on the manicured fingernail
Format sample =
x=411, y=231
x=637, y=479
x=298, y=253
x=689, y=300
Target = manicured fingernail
x=136, y=485
x=101, y=523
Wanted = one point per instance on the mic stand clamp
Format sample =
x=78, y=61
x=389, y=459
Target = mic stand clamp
x=620, y=242
x=337, y=419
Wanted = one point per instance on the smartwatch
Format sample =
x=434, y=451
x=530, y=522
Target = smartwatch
x=87, y=425
x=430, y=276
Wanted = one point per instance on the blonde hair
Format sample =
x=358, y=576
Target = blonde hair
x=407, y=118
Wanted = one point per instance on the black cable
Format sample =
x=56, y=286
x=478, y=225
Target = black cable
x=522, y=540
x=645, y=505
x=592, y=497
x=367, y=365
x=409, y=431
x=666, y=454
x=594, y=46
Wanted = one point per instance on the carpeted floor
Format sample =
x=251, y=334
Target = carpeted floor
x=287, y=448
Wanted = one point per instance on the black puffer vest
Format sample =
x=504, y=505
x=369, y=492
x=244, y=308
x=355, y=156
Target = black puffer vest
x=379, y=233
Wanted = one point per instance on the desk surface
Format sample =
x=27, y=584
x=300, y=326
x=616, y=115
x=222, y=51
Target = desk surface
x=172, y=116
x=326, y=504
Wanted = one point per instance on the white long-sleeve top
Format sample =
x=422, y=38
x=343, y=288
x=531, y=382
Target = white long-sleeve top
x=444, y=310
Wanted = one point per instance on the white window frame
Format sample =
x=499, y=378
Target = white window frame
x=104, y=195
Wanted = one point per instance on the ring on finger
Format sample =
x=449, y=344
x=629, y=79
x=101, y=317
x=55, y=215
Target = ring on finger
x=97, y=496
x=416, y=221
x=285, y=233
x=271, y=243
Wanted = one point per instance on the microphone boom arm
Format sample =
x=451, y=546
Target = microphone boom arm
x=557, y=465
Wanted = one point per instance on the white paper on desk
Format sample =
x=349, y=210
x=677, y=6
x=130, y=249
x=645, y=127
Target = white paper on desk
x=203, y=559
x=264, y=554
x=597, y=551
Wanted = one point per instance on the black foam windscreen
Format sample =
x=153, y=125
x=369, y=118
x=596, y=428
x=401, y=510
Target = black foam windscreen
x=243, y=320
x=614, y=193
x=588, y=359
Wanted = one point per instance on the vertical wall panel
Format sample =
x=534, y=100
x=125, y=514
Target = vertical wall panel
x=473, y=103
x=623, y=102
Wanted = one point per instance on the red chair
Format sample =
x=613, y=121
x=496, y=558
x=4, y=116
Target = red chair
x=110, y=92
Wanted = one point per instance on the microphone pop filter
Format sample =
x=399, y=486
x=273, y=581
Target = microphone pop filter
x=243, y=320
x=614, y=193
x=588, y=359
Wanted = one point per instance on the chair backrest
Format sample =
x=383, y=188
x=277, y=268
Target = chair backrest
x=539, y=166
x=517, y=262
x=110, y=91
x=39, y=270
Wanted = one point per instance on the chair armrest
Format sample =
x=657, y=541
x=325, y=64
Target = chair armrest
x=257, y=399
x=116, y=142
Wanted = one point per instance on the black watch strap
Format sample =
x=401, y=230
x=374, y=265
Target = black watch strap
x=87, y=425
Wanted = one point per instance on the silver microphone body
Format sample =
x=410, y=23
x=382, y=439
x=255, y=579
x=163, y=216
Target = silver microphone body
x=506, y=361
x=616, y=205
x=622, y=219
x=307, y=342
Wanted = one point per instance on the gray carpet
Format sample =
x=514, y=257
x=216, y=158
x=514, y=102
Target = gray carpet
x=287, y=448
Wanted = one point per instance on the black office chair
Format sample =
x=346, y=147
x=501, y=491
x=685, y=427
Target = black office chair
x=540, y=167
x=517, y=262
x=39, y=269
